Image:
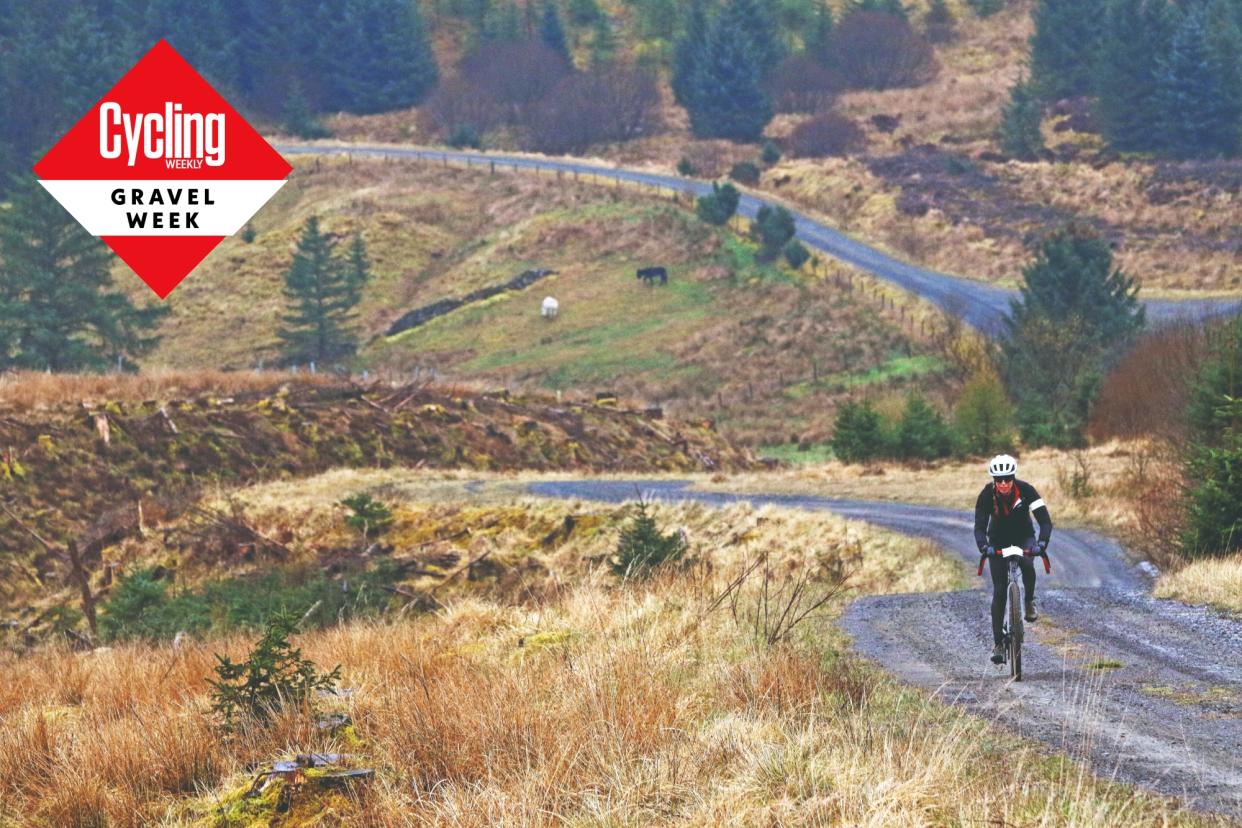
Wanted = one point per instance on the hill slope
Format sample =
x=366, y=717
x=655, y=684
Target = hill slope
x=764, y=350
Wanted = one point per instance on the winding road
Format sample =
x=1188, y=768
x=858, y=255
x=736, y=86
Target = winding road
x=1146, y=691
x=981, y=305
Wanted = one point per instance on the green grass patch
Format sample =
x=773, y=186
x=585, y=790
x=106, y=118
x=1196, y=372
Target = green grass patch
x=144, y=607
x=790, y=453
x=1105, y=664
x=896, y=367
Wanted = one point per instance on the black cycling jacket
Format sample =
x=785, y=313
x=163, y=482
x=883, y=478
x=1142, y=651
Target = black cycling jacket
x=993, y=527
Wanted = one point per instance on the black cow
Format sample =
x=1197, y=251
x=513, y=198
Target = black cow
x=650, y=274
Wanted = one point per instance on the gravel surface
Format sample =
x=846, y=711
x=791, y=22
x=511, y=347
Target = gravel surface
x=981, y=305
x=1146, y=691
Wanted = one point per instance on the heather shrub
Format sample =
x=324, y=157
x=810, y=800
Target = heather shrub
x=824, y=135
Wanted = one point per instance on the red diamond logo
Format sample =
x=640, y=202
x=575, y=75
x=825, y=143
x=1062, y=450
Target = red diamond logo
x=162, y=169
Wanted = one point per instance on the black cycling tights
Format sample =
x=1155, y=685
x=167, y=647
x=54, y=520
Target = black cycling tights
x=1000, y=586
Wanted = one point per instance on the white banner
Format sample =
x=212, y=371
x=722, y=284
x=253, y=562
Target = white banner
x=162, y=208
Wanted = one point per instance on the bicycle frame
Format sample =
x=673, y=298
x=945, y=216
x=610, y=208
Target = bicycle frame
x=1012, y=630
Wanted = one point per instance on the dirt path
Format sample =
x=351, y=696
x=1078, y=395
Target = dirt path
x=1144, y=690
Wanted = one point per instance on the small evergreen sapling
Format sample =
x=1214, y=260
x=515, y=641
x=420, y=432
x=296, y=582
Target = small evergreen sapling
x=643, y=547
x=720, y=206
x=369, y=517
x=273, y=674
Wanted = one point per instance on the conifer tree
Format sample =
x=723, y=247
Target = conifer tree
x=603, y=42
x=858, y=433
x=56, y=310
x=1019, y=134
x=552, y=33
x=584, y=12
x=1075, y=315
x=893, y=7
x=1137, y=34
x=759, y=21
x=725, y=97
x=688, y=50
x=1198, y=117
x=819, y=39
x=1064, y=47
x=502, y=24
x=323, y=293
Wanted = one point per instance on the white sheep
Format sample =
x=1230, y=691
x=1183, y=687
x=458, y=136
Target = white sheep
x=549, y=308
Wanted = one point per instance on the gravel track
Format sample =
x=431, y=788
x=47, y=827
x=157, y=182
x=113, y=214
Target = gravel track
x=981, y=305
x=1146, y=691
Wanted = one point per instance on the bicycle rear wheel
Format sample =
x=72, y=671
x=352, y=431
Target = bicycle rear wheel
x=1015, y=632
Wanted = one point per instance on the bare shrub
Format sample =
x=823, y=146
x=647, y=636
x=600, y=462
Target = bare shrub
x=773, y=600
x=615, y=104
x=823, y=135
x=801, y=84
x=881, y=51
x=515, y=75
x=457, y=103
x=1146, y=393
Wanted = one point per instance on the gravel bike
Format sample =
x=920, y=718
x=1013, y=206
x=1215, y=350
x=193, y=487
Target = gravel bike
x=1012, y=629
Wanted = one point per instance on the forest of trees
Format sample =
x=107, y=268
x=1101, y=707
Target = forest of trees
x=273, y=59
x=1167, y=77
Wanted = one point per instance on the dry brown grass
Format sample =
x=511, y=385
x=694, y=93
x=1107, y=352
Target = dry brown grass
x=1214, y=581
x=604, y=705
x=1115, y=471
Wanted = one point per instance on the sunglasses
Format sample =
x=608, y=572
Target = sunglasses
x=1008, y=479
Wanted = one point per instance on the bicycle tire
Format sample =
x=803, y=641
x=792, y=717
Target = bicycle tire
x=1015, y=632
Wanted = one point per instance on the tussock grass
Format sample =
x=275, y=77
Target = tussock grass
x=633, y=704
x=1214, y=581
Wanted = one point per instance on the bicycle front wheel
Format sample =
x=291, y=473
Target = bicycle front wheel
x=1015, y=632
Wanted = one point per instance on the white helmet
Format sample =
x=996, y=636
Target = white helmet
x=1002, y=465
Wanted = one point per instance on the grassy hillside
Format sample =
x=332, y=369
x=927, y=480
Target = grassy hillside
x=935, y=190
x=546, y=692
x=804, y=341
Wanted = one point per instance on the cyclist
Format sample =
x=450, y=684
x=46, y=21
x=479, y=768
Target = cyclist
x=1003, y=518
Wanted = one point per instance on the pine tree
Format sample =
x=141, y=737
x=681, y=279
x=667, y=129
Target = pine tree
x=357, y=264
x=718, y=207
x=725, y=98
x=323, y=293
x=603, y=42
x=819, y=39
x=1224, y=35
x=1075, y=315
x=1019, y=134
x=1194, y=99
x=503, y=24
x=584, y=12
x=759, y=21
x=774, y=227
x=1137, y=35
x=1064, y=47
x=656, y=18
x=396, y=67
x=984, y=416
x=922, y=432
x=552, y=33
x=858, y=434
x=56, y=310
x=1213, y=504
x=893, y=7
x=689, y=48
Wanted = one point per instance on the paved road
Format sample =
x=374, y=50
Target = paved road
x=1145, y=690
x=981, y=305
